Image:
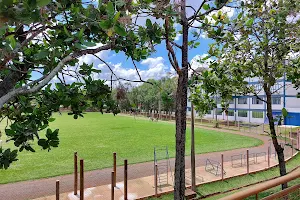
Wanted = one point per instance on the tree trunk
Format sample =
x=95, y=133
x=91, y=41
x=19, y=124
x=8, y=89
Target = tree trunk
x=180, y=113
x=277, y=146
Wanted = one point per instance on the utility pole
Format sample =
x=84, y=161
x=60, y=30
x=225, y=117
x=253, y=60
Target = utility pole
x=193, y=166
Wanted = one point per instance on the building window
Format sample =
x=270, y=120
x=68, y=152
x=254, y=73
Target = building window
x=242, y=113
x=255, y=100
x=258, y=87
x=208, y=112
x=242, y=100
x=231, y=101
x=189, y=109
x=219, y=112
x=276, y=100
x=257, y=114
x=276, y=87
x=230, y=113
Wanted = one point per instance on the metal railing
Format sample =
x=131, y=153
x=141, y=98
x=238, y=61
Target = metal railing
x=256, y=189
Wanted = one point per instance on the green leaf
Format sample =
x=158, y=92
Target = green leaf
x=249, y=22
x=41, y=55
x=67, y=32
x=80, y=34
x=12, y=40
x=284, y=112
x=51, y=119
x=149, y=23
x=79, y=46
x=69, y=39
x=117, y=16
x=110, y=9
x=206, y=7
x=105, y=24
x=42, y=3
x=9, y=132
x=120, y=30
x=89, y=44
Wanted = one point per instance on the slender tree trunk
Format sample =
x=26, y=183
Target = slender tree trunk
x=180, y=113
x=277, y=146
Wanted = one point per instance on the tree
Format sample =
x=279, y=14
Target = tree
x=43, y=40
x=261, y=42
x=186, y=23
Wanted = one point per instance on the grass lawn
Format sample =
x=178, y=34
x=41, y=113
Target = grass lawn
x=236, y=182
x=95, y=137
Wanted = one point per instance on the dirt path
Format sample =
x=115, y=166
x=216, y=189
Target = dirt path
x=44, y=187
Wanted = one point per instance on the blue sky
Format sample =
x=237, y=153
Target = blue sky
x=156, y=66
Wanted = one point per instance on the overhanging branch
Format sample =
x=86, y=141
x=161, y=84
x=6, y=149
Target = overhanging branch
x=43, y=81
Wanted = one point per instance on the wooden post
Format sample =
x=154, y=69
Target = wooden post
x=239, y=125
x=298, y=140
x=292, y=147
x=156, y=178
x=81, y=180
x=263, y=128
x=75, y=173
x=125, y=180
x=222, y=166
x=115, y=169
x=268, y=157
x=247, y=161
x=112, y=185
x=57, y=190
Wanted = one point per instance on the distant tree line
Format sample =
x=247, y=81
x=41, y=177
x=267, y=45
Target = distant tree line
x=159, y=96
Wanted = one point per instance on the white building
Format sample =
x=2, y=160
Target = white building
x=250, y=109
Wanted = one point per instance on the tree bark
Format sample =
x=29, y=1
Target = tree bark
x=277, y=146
x=180, y=113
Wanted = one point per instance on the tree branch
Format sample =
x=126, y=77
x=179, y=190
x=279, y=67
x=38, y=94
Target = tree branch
x=43, y=81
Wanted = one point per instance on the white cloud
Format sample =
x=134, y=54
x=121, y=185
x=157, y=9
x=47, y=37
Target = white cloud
x=196, y=64
x=178, y=36
x=156, y=69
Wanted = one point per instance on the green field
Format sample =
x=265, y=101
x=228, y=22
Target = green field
x=95, y=137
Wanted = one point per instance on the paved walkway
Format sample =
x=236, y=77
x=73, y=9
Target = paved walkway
x=45, y=187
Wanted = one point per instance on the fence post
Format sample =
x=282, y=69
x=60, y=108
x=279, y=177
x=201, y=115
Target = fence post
x=268, y=157
x=112, y=185
x=125, y=180
x=57, y=190
x=81, y=180
x=222, y=165
x=263, y=128
x=75, y=173
x=155, y=177
x=247, y=161
x=239, y=125
x=292, y=147
x=298, y=139
x=115, y=169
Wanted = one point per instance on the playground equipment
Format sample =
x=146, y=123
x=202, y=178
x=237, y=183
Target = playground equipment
x=214, y=167
x=240, y=160
x=162, y=166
